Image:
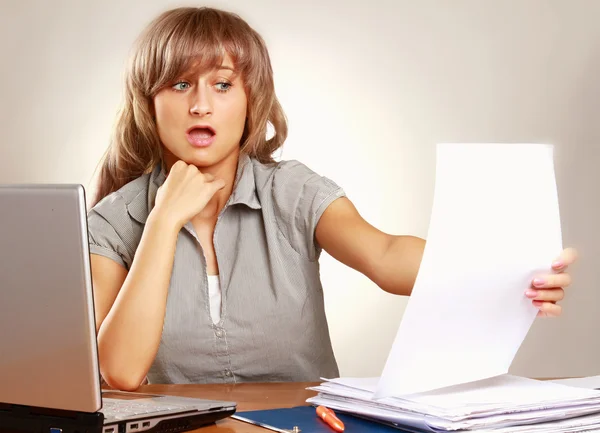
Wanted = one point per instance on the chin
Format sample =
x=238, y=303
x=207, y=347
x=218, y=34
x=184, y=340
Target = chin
x=206, y=158
x=200, y=162
x=201, y=157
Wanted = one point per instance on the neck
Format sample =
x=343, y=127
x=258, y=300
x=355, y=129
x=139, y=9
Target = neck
x=225, y=169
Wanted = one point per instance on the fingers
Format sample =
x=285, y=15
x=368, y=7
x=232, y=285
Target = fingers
x=566, y=258
x=552, y=295
x=188, y=172
x=547, y=290
x=206, y=179
x=216, y=185
x=552, y=280
x=192, y=172
x=179, y=165
x=548, y=309
x=220, y=183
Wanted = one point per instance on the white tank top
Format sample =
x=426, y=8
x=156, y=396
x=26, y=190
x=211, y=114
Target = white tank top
x=214, y=294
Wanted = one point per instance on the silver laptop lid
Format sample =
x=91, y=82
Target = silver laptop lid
x=48, y=354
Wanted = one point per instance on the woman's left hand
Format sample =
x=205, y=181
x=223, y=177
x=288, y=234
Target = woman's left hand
x=547, y=290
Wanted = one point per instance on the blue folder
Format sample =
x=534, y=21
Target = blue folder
x=306, y=419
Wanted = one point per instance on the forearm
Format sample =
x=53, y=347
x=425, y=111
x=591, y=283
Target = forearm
x=129, y=336
x=397, y=269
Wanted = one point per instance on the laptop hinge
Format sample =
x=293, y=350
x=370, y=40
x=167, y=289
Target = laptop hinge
x=30, y=419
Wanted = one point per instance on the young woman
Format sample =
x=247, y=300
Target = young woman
x=204, y=250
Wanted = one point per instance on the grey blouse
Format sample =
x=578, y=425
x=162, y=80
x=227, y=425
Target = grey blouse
x=273, y=325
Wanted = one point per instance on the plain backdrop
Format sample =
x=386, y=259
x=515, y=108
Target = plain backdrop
x=369, y=89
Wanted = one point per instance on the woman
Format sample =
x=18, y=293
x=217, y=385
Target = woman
x=204, y=250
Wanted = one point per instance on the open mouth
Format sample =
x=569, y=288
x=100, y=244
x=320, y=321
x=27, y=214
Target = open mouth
x=201, y=136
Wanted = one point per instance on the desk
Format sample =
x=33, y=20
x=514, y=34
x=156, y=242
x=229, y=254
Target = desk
x=248, y=396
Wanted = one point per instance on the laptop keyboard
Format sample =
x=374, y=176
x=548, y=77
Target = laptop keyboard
x=114, y=409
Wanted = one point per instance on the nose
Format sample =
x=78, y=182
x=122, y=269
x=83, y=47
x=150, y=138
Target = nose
x=201, y=103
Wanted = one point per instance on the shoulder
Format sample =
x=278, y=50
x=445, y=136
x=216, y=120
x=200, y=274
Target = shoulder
x=295, y=196
x=119, y=204
x=289, y=176
x=115, y=223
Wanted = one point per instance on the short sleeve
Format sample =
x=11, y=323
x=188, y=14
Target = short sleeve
x=300, y=196
x=109, y=229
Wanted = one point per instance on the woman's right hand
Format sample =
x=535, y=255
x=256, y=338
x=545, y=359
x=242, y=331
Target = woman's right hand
x=185, y=193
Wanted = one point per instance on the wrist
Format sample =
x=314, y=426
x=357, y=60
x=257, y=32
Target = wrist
x=163, y=221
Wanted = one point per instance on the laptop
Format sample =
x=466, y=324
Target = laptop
x=49, y=373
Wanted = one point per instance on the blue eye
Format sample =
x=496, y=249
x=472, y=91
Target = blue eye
x=181, y=86
x=223, y=87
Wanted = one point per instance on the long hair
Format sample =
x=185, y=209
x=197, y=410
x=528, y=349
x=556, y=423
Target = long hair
x=171, y=44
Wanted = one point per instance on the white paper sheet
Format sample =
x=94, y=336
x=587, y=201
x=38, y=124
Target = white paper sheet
x=589, y=382
x=495, y=224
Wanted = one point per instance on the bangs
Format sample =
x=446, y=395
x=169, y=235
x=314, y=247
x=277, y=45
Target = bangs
x=195, y=41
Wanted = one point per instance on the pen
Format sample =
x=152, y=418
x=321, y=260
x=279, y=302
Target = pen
x=329, y=417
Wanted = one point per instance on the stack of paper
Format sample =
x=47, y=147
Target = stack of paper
x=495, y=225
x=501, y=404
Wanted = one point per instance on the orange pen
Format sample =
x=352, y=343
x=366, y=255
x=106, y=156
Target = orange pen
x=329, y=417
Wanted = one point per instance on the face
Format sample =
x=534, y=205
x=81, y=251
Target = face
x=201, y=116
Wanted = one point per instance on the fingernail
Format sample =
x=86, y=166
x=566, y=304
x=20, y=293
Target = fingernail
x=557, y=264
x=538, y=281
x=538, y=304
x=531, y=293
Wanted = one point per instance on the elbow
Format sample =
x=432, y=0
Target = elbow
x=117, y=372
x=396, y=288
x=121, y=382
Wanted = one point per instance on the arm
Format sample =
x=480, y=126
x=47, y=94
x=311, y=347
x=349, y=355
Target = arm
x=391, y=262
x=130, y=306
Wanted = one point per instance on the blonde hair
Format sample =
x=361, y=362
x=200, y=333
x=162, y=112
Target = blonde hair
x=172, y=44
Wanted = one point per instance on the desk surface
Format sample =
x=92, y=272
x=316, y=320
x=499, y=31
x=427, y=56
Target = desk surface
x=248, y=396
